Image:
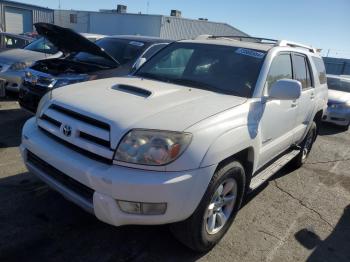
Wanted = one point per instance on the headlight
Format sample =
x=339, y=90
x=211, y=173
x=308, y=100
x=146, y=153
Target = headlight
x=65, y=82
x=43, y=101
x=20, y=65
x=152, y=147
x=341, y=106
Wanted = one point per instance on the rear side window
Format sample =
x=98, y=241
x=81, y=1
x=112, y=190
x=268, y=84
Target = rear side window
x=321, y=70
x=302, y=71
x=281, y=68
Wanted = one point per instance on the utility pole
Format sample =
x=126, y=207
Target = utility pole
x=147, y=7
x=59, y=10
x=328, y=52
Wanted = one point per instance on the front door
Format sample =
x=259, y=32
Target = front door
x=279, y=116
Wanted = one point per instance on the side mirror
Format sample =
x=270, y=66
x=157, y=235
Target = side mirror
x=285, y=89
x=139, y=62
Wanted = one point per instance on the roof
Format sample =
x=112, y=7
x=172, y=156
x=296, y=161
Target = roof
x=232, y=42
x=25, y=5
x=142, y=38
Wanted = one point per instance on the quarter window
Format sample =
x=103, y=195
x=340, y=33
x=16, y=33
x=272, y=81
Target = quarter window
x=281, y=68
x=302, y=71
x=321, y=70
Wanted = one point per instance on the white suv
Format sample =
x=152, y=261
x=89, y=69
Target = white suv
x=184, y=139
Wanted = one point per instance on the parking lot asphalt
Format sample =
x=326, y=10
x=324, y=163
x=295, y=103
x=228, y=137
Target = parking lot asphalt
x=299, y=215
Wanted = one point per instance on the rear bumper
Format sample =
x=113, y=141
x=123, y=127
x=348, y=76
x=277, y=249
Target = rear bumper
x=181, y=191
x=336, y=116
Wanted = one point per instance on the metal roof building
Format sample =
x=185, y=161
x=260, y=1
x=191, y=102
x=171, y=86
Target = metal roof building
x=19, y=18
x=111, y=22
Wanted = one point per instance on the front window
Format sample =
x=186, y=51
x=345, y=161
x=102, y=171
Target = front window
x=224, y=69
x=42, y=45
x=123, y=50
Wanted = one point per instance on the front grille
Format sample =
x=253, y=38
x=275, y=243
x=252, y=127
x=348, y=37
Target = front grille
x=89, y=136
x=77, y=149
x=70, y=183
x=81, y=117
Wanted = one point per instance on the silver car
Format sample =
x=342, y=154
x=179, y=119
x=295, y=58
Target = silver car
x=14, y=62
x=338, y=111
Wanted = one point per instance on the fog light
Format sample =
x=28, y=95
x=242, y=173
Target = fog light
x=130, y=207
x=153, y=208
x=142, y=208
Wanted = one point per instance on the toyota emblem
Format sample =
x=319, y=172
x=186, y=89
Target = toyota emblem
x=67, y=130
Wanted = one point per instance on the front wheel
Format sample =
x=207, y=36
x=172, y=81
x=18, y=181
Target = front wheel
x=306, y=146
x=216, y=211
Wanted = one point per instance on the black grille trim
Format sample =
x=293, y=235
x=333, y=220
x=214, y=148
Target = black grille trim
x=94, y=139
x=81, y=117
x=51, y=120
x=77, y=149
x=73, y=185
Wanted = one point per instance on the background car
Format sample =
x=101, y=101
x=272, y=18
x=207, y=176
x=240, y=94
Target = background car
x=338, y=111
x=108, y=57
x=10, y=41
x=13, y=62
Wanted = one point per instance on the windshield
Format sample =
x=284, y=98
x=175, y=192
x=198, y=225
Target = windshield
x=338, y=84
x=123, y=50
x=225, y=69
x=42, y=45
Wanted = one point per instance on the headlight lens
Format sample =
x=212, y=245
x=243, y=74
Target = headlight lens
x=152, y=147
x=43, y=101
x=341, y=105
x=64, y=82
x=20, y=65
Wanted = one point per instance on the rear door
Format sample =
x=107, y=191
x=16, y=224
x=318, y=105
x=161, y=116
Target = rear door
x=305, y=104
x=279, y=116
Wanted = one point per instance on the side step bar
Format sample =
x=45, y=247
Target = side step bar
x=269, y=171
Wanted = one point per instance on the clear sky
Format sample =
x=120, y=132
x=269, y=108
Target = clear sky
x=322, y=23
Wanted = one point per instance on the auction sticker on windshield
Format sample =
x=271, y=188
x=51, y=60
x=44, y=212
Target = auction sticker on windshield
x=136, y=43
x=249, y=52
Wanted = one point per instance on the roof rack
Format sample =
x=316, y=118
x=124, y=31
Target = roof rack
x=294, y=44
x=240, y=38
x=259, y=40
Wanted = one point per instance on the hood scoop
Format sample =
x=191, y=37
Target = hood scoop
x=133, y=90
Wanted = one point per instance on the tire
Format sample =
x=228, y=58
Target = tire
x=306, y=146
x=198, y=232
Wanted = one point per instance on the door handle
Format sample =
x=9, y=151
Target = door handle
x=312, y=96
x=294, y=103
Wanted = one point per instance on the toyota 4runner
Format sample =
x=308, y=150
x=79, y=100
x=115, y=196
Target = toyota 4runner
x=183, y=140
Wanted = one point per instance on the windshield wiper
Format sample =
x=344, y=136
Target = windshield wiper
x=153, y=76
x=201, y=85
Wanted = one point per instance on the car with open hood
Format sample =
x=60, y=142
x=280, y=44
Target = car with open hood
x=185, y=138
x=13, y=62
x=338, y=111
x=107, y=57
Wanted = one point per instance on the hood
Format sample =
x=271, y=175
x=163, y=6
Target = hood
x=126, y=103
x=21, y=55
x=335, y=96
x=68, y=41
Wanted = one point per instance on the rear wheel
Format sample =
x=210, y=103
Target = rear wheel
x=306, y=146
x=216, y=211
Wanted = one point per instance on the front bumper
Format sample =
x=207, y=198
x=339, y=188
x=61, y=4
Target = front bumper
x=181, y=191
x=29, y=97
x=13, y=80
x=336, y=116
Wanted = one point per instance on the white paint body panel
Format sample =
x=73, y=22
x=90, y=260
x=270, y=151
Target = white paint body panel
x=221, y=125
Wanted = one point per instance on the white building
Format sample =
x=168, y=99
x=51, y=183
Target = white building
x=113, y=22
